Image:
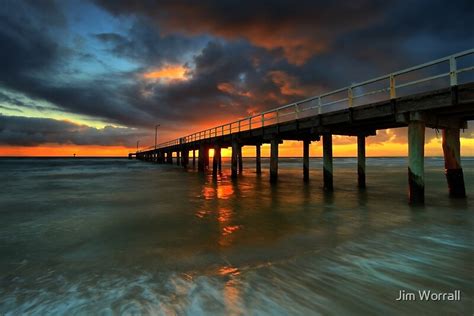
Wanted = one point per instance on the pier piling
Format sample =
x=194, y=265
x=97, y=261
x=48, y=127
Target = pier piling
x=452, y=162
x=235, y=154
x=416, y=166
x=361, y=161
x=241, y=165
x=306, y=144
x=327, y=162
x=215, y=160
x=202, y=158
x=258, y=159
x=274, y=159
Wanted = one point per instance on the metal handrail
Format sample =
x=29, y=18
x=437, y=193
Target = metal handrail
x=260, y=118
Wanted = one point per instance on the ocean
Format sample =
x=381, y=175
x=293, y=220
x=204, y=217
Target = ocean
x=115, y=236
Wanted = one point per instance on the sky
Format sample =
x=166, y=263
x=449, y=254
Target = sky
x=92, y=78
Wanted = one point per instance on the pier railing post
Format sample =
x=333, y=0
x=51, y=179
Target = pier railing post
x=235, y=154
x=416, y=156
x=306, y=144
x=361, y=161
x=452, y=162
x=274, y=159
x=258, y=159
x=327, y=162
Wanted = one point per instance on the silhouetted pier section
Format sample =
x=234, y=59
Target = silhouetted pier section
x=438, y=94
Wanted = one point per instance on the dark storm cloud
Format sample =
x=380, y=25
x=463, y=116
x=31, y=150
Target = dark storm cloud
x=31, y=61
x=297, y=29
x=24, y=131
x=144, y=43
x=241, y=56
x=326, y=45
x=301, y=30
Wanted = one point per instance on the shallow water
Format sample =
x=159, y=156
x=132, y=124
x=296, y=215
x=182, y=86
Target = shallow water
x=118, y=236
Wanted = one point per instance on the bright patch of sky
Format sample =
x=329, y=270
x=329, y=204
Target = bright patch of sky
x=14, y=103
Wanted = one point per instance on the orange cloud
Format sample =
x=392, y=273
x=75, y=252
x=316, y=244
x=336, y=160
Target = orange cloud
x=167, y=73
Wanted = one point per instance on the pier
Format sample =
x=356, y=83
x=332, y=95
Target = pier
x=438, y=94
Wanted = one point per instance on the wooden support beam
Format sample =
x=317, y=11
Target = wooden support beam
x=361, y=161
x=258, y=159
x=327, y=162
x=234, y=160
x=169, y=157
x=215, y=160
x=416, y=165
x=194, y=158
x=452, y=163
x=178, y=158
x=306, y=144
x=274, y=159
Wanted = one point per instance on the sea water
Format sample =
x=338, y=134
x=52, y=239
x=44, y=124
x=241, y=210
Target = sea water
x=119, y=236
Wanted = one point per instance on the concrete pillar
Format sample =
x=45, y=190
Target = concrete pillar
x=327, y=162
x=416, y=165
x=258, y=159
x=274, y=160
x=241, y=165
x=194, y=158
x=216, y=159
x=306, y=160
x=235, y=154
x=452, y=162
x=361, y=161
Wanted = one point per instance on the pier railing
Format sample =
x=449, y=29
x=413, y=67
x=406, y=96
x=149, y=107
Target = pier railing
x=443, y=72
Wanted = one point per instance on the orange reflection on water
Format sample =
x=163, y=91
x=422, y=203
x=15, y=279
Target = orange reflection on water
x=226, y=228
x=221, y=191
x=229, y=270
